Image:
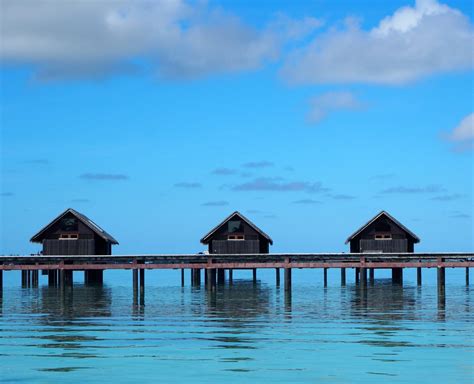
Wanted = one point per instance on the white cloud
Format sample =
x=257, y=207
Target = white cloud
x=329, y=102
x=176, y=39
x=465, y=130
x=412, y=43
x=463, y=134
x=63, y=39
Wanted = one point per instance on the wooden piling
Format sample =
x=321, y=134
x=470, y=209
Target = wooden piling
x=35, y=278
x=254, y=275
x=135, y=285
x=220, y=276
x=142, y=287
x=397, y=276
x=363, y=277
x=182, y=277
x=231, y=276
x=198, y=277
x=211, y=279
x=441, y=277
x=287, y=279
x=51, y=278
x=343, y=276
x=68, y=277
x=325, y=274
x=23, y=279
x=356, y=277
x=372, y=275
x=62, y=282
x=418, y=276
x=467, y=276
x=277, y=276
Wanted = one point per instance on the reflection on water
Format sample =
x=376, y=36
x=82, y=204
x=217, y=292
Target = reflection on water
x=238, y=332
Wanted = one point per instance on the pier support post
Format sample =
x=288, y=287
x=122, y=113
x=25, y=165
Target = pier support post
x=24, y=279
x=356, y=277
x=191, y=272
x=231, y=276
x=254, y=275
x=182, y=277
x=142, y=287
x=467, y=276
x=441, y=289
x=372, y=275
x=93, y=276
x=441, y=278
x=277, y=276
x=1, y=279
x=35, y=278
x=343, y=276
x=196, y=277
x=287, y=279
x=211, y=278
x=220, y=276
x=135, y=285
x=62, y=279
x=363, y=277
x=397, y=276
x=325, y=278
x=52, y=278
x=68, y=277
x=418, y=276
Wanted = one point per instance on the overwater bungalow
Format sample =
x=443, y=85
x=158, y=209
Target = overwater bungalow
x=236, y=235
x=382, y=233
x=72, y=233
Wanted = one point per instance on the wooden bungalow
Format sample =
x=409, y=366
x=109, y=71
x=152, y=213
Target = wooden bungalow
x=72, y=233
x=237, y=235
x=383, y=233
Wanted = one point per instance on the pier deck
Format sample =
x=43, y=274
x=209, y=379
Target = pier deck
x=240, y=261
x=60, y=268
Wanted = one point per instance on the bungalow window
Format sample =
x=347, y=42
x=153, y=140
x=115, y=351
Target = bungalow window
x=383, y=236
x=235, y=237
x=235, y=226
x=69, y=224
x=71, y=236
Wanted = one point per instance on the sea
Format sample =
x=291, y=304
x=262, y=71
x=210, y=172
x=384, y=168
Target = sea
x=244, y=332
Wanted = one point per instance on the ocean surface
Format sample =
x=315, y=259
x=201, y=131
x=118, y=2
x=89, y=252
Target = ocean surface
x=245, y=332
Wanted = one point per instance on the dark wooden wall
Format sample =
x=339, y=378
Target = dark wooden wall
x=88, y=243
x=253, y=243
x=365, y=241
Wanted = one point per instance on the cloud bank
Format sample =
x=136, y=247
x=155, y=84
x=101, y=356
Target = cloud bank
x=413, y=43
x=172, y=38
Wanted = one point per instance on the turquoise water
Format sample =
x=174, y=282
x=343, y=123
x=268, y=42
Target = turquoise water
x=241, y=333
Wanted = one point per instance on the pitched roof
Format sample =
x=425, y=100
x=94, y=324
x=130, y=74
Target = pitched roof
x=390, y=217
x=207, y=237
x=84, y=219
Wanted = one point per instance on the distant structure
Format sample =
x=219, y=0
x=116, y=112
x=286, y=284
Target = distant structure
x=237, y=235
x=72, y=233
x=383, y=233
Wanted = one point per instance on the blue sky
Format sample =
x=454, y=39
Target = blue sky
x=158, y=119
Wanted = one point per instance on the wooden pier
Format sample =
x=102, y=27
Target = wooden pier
x=59, y=268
